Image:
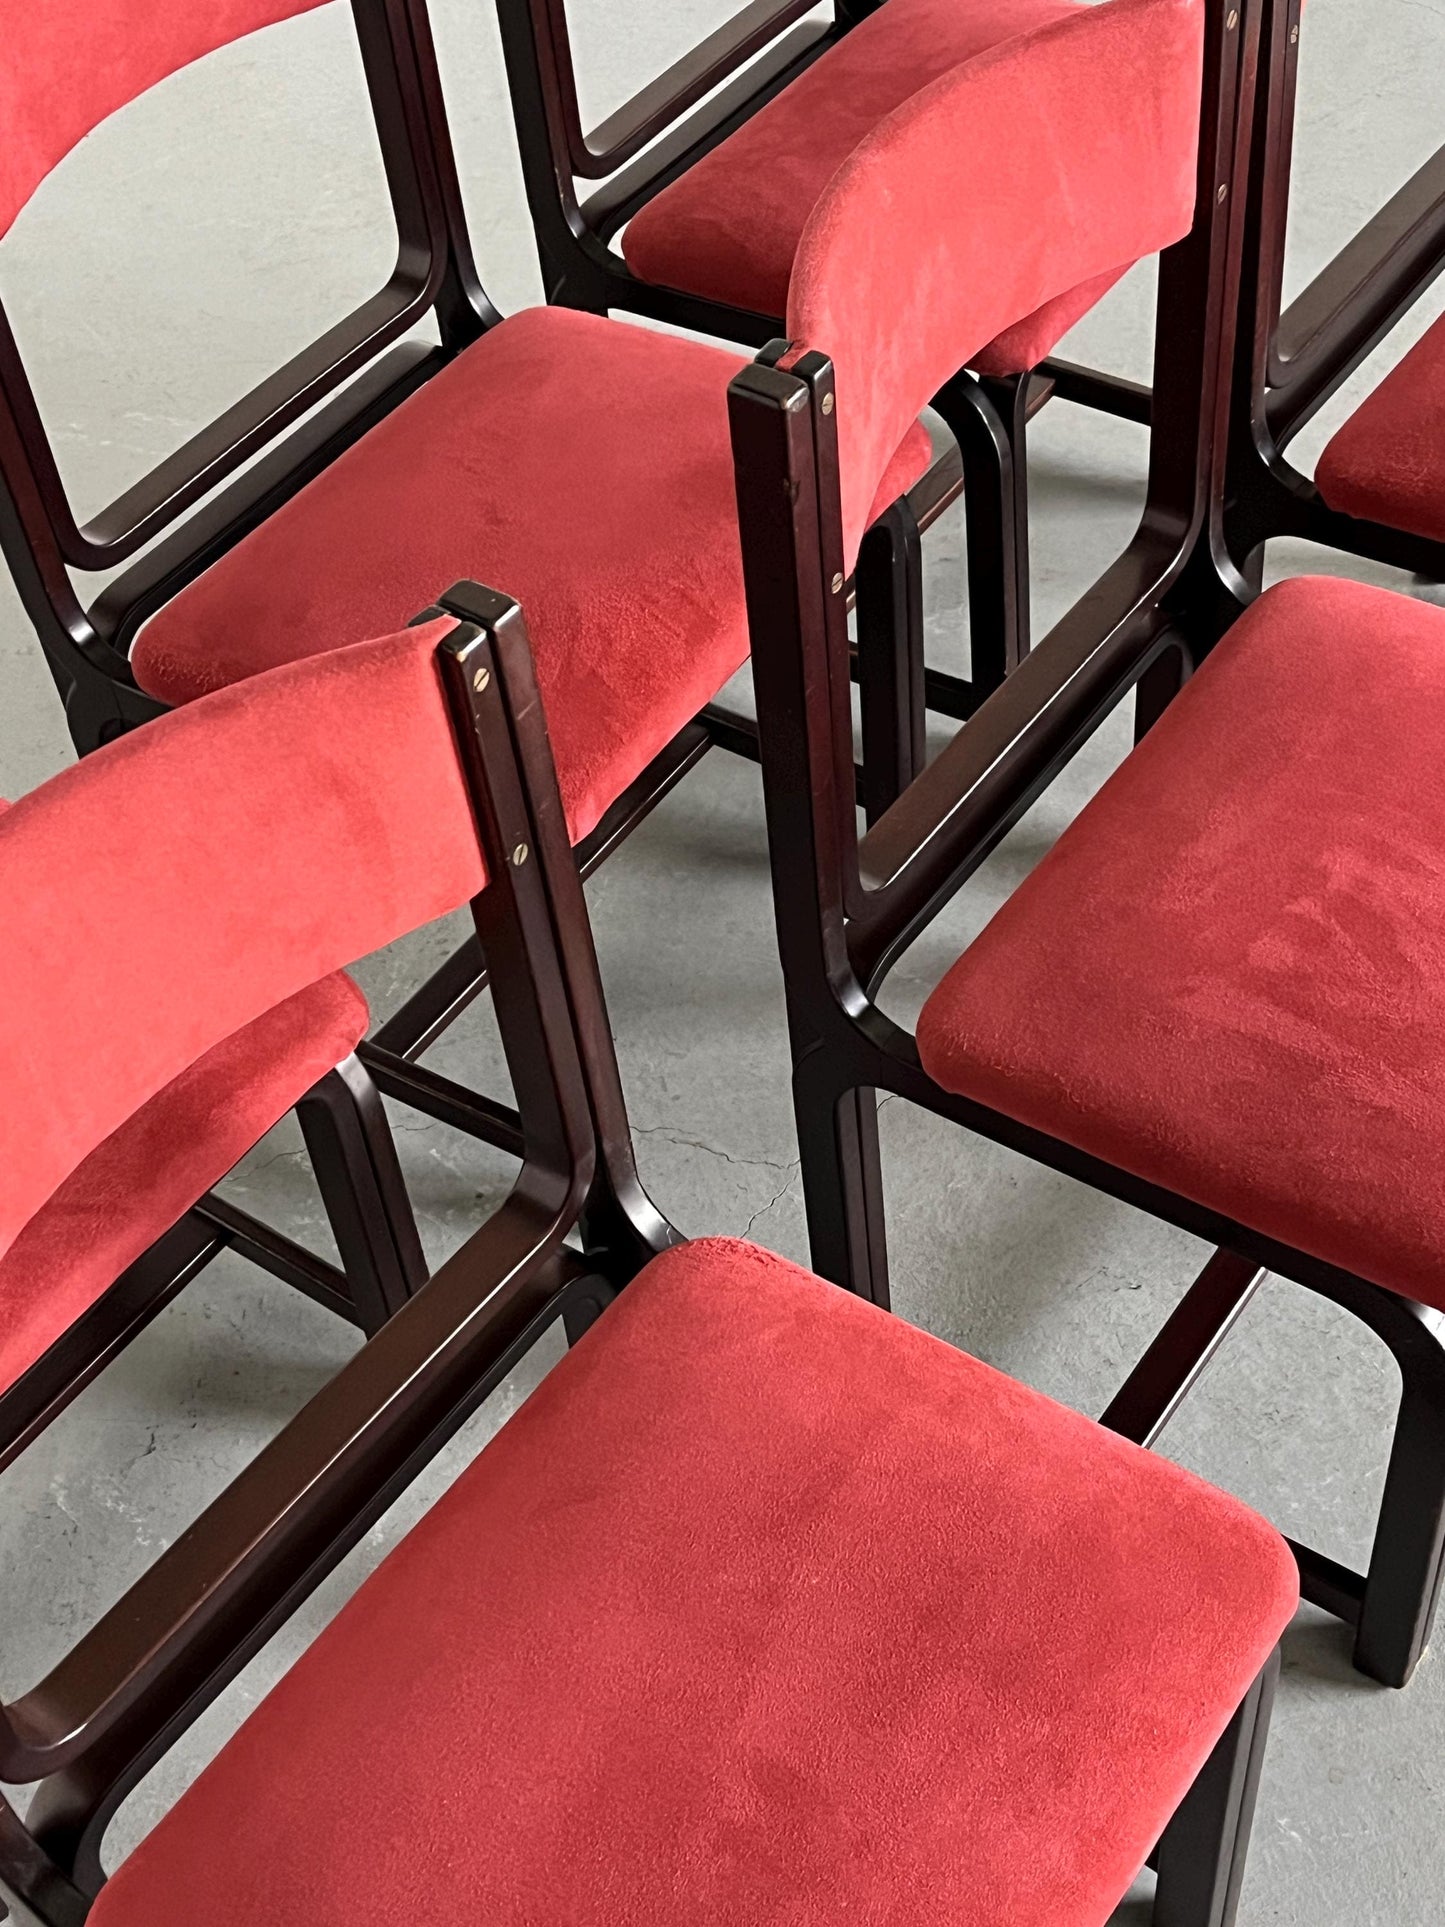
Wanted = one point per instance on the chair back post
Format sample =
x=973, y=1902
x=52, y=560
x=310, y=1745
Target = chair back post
x=480, y=663
x=1197, y=359
x=575, y=267
x=464, y=311
x=1265, y=184
x=622, y=1229
x=1269, y=179
x=797, y=628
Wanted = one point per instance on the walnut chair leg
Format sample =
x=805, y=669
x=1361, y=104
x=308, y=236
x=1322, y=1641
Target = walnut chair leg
x=890, y=657
x=351, y=1149
x=1010, y=397
x=842, y=1172
x=1160, y=683
x=1402, y=1586
x=1200, y=1857
x=996, y=507
x=587, y=1301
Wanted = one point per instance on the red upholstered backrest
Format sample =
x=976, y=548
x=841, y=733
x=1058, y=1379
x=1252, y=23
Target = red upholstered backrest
x=67, y=64
x=1048, y=161
x=177, y=884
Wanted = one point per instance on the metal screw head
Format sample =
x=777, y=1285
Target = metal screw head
x=481, y=679
x=1233, y=21
x=1294, y=36
x=1223, y=194
x=837, y=584
x=520, y=854
x=827, y=404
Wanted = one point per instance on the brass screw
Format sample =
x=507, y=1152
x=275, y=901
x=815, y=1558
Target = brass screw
x=481, y=679
x=827, y=404
x=1223, y=194
x=837, y=584
x=519, y=855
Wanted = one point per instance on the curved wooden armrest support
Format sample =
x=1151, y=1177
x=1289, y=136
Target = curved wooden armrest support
x=276, y=1530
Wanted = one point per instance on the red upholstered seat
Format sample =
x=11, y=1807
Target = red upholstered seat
x=147, y=1174
x=729, y=228
x=1228, y=976
x=766, y=1608
x=1387, y=464
x=580, y=465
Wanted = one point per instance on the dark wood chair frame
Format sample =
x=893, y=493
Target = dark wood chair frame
x=114, y=1705
x=355, y=1163
x=1292, y=360
x=749, y=60
x=847, y=907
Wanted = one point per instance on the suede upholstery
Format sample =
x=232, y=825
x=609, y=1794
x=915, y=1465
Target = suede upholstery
x=1387, y=464
x=1228, y=976
x=578, y=464
x=1028, y=342
x=147, y=1174
x=765, y=1609
x=68, y=64
x=923, y=248
x=119, y=973
x=728, y=229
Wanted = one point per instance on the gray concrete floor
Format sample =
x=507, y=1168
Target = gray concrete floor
x=173, y=261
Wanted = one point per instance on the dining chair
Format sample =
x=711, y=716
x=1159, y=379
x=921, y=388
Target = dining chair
x=582, y=463
x=701, y=186
x=1215, y=999
x=1378, y=489
x=763, y=1607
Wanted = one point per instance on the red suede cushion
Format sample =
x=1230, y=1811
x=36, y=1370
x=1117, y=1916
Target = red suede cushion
x=1387, y=464
x=578, y=464
x=183, y=881
x=1228, y=977
x=67, y=64
x=766, y=1608
x=729, y=228
x=1027, y=343
x=136, y=1184
x=1006, y=184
